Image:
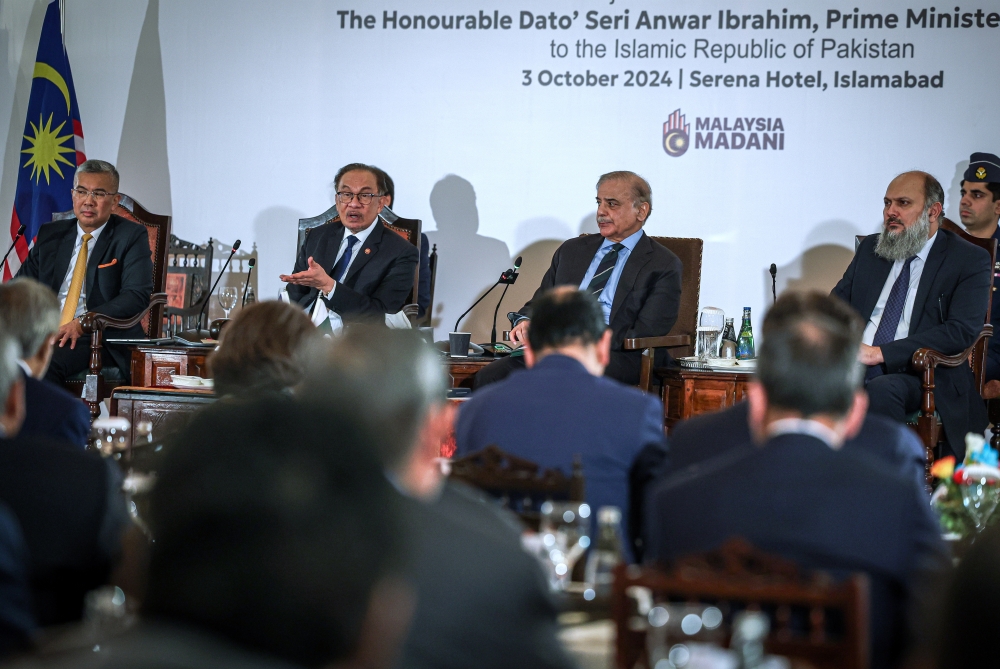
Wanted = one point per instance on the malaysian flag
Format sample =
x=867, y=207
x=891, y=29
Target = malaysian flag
x=53, y=141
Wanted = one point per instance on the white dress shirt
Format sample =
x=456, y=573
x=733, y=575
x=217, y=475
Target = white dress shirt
x=916, y=270
x=81, y=307
x=807, y=426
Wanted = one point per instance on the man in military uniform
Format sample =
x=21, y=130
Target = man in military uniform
x=980, y=211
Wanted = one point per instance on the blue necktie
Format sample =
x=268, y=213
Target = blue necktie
x=893, y=311
x=341, y=267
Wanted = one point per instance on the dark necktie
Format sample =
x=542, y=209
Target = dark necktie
x=604, y=270
x=893, y=311
x=341, y=267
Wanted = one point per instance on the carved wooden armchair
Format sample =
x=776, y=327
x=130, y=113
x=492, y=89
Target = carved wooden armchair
x=97, y=382
x=189, y=277
x=520, y=485
x=737, y=577
x=680, y=339
x=925, y=361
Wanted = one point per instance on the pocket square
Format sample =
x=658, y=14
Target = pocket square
x=108, y=264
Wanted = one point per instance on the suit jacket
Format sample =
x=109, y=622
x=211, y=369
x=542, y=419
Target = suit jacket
x=482, y=601
x=993, y=352
x=70, y=508
x=948, y=313
x=378, y=282
x=16, y=620
x=119, y=271
x=823, y=508
x=54, y=413
x=646, y=299
x=557, y=410
x=699, y=439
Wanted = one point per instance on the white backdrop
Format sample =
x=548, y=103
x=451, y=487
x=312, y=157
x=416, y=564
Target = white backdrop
x=233, y=116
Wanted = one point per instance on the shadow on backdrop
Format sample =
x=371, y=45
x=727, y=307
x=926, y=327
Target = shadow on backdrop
x=588, y=224
x=535, y=240
x=821, y=265
x=955, y=191
x=19, y=106
x=279, y=227
x=142, y=152
x=468, y=263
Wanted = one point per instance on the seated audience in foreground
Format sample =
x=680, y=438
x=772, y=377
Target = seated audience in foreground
x=979, y=210
x=278, y=544
x=482, y=601
x=16, y=619
x=700, y=439
x=263, y=349
x=969, y=617
x=562, y=407
x=67, y=501
x=30, y=312
x=801, y=494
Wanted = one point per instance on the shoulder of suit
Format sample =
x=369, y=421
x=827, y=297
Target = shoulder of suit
x=55, y=228
x=958, y=245
x=121, y=223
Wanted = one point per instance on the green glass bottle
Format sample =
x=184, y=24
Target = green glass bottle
x=744, y=343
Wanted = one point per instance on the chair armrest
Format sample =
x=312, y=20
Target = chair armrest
x=640, y=343
x=92, y=321
x=926, y=358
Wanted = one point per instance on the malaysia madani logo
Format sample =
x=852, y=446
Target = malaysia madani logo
x=676, y=135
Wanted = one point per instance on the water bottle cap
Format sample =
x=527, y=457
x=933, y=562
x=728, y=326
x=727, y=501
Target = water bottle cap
x=609, y=514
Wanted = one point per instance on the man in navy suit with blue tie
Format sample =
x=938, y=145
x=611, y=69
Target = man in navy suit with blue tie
x=360, y=269
x=801, y=494
x=562, y=406
x=916, y=285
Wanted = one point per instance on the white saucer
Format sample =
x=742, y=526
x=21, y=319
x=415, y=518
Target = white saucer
x=181, y=381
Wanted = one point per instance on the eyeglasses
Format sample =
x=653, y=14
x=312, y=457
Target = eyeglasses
x=345, y=197
x=83, y=193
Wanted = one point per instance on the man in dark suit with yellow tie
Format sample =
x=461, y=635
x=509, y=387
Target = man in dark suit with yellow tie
x=354, y=264
x=96, y=262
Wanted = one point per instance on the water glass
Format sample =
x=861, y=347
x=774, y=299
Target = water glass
x=565, y=533
x=227, y=299
x=980, y=500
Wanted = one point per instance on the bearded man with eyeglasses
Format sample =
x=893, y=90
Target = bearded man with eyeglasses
x=96, y=262
x=918, y=285
x=358, y=268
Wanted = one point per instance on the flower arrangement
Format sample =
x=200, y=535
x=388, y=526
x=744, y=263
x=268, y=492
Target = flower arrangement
x=969, y=491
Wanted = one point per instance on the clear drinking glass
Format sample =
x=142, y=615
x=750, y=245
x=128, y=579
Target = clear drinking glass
x=980, y=498
x=227, y=299
x=565, y=532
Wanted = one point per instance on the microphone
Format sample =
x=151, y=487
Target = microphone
x=20, y=233
x=251, y=263
x=197, y=333
x=511, y=277
x=774, y=274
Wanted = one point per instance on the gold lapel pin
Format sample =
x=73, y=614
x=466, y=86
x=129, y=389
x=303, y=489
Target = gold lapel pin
x=367, y=251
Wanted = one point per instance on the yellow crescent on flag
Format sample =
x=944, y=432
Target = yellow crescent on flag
x=43, y=71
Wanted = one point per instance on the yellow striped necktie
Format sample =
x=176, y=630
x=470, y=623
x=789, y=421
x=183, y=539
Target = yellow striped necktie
x=76, y=284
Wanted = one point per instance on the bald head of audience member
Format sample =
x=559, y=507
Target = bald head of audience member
x=263, y=349
x=30, y=312
x=11, y=385
x=277, y=530
x=396, y=382
x=567, y=321
x=807, y=365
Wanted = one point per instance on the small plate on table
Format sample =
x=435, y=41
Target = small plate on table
x=189, y=382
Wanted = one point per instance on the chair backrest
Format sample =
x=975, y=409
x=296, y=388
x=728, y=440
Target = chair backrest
x=990, y=246
x=189, y=278
x=518, y=484
x=689, y=250
x=158, y=229
x=407, y=228
x=813, y=618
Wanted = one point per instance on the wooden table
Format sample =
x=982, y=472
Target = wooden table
x=689, y=392
x=168, y=409
x=152, y=366
x=462, y=370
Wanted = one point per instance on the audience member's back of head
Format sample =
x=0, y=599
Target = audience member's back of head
x=31, y=313
x=970, y=617
x=274, y=525
x=389, y=378
x=11, y=392
x=564, y=316
x=264, y=348
x=807, y=361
